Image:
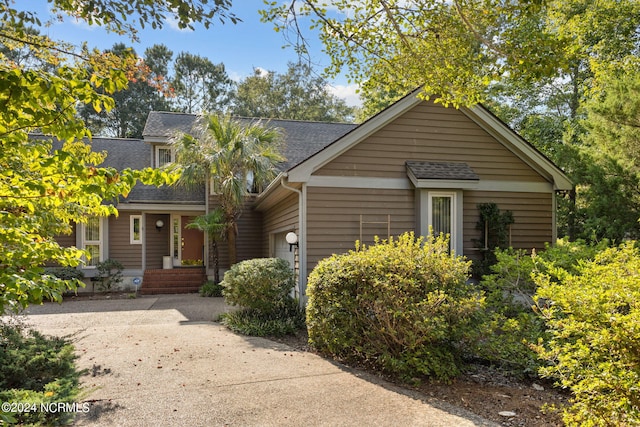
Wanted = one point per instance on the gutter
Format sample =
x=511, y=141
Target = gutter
x=302, y=237
x=273, y=185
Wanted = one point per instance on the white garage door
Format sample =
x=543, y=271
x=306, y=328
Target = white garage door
x=281, y=250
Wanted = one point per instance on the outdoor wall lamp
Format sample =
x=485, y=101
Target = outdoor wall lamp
x=292, y=240
x=159, y=224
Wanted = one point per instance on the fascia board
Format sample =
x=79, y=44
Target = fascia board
x=164, y=140
x=269, y=192
x=514, y=143
x=160, y=207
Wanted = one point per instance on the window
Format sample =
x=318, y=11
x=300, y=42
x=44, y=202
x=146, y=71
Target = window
x=252, y=186
x=92, y=240
x=440, y=213
x=164, y=155
x=135, y=233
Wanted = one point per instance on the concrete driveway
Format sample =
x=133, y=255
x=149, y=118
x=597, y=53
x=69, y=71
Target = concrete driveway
x=162, y=361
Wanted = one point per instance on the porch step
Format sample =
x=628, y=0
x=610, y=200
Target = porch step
x=173, y=281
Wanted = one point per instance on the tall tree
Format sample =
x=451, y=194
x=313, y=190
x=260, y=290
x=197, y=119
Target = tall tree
x=299, y=94
x=213, y=224
x=534, y=62
x=455, y=50
x=614, y=120
x=233, y=157
x=608, y=178
x=44, y=191
x=200, y=85
x=145, y=92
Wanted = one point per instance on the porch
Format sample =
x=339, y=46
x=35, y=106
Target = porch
x=179, y=280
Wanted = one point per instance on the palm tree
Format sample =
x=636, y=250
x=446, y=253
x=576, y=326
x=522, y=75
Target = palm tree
x=213, y=224
x=232, y=157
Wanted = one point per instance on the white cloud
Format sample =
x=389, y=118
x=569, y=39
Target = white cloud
x=346, y=92
x=235, y=76
x=172, y=22
x=262, y=72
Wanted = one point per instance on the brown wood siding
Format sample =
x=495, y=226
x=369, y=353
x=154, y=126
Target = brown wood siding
x=333, y=218
x=68, y=240
x=430, y=133
x=157, y=242
x=532, y=213
x=282, y=216
x=249, y=240
x=120, y=247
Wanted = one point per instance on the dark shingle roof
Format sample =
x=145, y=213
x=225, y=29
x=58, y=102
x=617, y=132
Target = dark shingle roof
x=442, y=170
x=136, y=154
x=123, y=153
x=302, y=138
x=180, y=195
x=165, y=124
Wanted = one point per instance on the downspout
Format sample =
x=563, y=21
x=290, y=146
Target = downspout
x=302, y=245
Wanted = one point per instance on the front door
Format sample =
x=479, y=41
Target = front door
x=187, y=243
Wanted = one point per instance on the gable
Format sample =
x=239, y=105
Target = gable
x=430, y=132
x=418, y=130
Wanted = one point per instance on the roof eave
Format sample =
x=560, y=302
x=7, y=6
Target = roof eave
x=303, y=170
x=519, y=146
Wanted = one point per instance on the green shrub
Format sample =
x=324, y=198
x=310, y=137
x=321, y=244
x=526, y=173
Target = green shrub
x=505, y=340
x=261, y=284
x=593, y=317
x=510, y=326
x=402, y=306
x=511, y=277
x=36, y=370
x=211, y=289
x=494, y=233
x=285, y=321
x=65, y=273
x=110, y=274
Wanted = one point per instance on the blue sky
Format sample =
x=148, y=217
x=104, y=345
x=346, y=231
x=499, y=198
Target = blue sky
x=241, y=47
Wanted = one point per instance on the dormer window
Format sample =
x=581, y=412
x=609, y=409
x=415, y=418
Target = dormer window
x=164, y=155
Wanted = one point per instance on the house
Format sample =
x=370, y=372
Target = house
x=413, y=166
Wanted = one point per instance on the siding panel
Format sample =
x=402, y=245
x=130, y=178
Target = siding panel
x=430, y=133
x=120, y=247
x=249, y=239
x=280, y=217
x=532, y=213
x=157, y=242
x=333, y=218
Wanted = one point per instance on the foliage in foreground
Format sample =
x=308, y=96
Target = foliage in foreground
x=286, y=320
x=210, y=289
x=593, y=319
x=36, y=369
x=510, y=326
x=402, y=306
x=45, y=189
x=262, y=288
x=262, y=284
